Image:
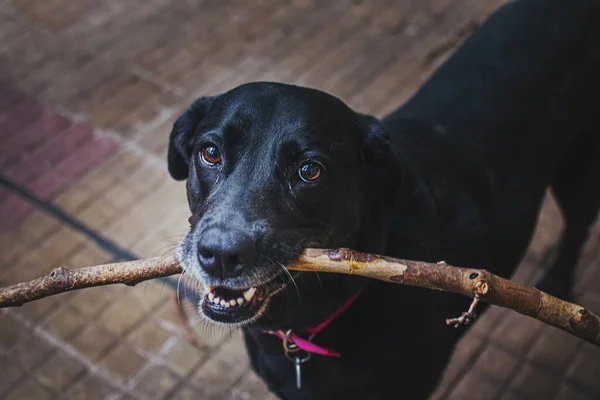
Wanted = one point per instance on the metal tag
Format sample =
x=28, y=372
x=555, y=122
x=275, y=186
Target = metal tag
x=298, y=364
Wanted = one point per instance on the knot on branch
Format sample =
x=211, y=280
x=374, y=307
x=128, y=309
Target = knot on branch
x=481, y=288
x=585, y=325
x=58, y=278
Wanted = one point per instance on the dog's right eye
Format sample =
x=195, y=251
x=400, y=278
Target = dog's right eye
x=210, y=154
x=310, y=172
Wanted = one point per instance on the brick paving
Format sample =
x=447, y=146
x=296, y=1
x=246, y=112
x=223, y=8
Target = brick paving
x=87, y=96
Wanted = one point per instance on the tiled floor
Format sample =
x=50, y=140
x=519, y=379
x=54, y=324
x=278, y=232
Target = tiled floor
x=88, y=91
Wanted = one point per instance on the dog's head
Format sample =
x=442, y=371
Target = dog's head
x=272, y=169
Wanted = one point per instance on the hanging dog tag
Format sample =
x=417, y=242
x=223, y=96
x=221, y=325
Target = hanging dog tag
x=298, y=365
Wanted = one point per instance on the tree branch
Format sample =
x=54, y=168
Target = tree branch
x=62, y=280
x=475, y=283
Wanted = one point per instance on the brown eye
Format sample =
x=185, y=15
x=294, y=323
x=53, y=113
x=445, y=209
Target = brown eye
x=210, y=154
x=310, y=172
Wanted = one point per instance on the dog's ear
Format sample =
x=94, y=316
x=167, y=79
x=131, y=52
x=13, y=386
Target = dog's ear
x=387, y=168
x=181, y=138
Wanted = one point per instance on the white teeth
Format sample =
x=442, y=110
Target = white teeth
x=248, y=294
x=225, y=302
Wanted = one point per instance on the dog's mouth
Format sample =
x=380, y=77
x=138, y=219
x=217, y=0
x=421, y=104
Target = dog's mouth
x=238, y=306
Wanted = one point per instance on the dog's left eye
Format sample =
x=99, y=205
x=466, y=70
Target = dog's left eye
x=210, y=154
x=310, y=172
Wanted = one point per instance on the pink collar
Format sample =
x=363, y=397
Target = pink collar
x=293, y=341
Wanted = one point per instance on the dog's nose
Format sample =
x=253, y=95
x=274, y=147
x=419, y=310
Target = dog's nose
x=224, y=253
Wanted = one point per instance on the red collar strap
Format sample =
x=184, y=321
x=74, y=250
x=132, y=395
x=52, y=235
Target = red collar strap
x=293, y=341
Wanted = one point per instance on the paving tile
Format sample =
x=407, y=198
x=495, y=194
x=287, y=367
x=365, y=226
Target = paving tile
x=118, y=95
x=90, y=388
x=185, y=356
x=591, y=282
x=489, y=320
x=122, y=361
x=71, y=168
x=585, y=369
x=119, y=165
x=13, y=244
x=149, y=336
x=511, y=395
x=136, y=223
x=149, y=113
x=89, y=254
x=74, y=197
x=36, y=311
x=65, y=323
x=21, y=114
x=48, y=255
x=166, y=318
x=11, y=372
x=496, y=365
x=570, y=392
x=29, y=389
x=25, y=141
x=466, y=352
x=157, y=382
x=157, y=138
x=119, y=317
x=93, y=341
x=231, y=358
x=49, y=155
x=44, y=13
x=92, y=301
x=554, y=349
x=187, y=393
x=475, y=387
x=589, y=300
x=11, y=31
x=99, y=214
x=59, y=372
x=533, y=383
x=11, y=329
x=250, y=387
x=517, y=333
x=158, y=242
x=13, y=209
x=29, y=349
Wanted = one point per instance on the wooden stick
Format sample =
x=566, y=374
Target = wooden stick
x=475, y=283
x=62, y=280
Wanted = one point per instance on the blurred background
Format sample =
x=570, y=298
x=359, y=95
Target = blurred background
x=88, y=92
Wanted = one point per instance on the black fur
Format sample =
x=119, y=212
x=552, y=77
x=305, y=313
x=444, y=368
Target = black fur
x=456, y=174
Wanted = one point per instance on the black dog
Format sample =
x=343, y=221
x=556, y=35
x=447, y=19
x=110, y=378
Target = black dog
x=457, y=174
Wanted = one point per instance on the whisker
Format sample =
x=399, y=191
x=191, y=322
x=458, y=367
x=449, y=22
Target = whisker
x=320, y=282
x=178, y=283
x=292, y=280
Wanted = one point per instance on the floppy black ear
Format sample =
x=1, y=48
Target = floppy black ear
x=387, y=168
x=181, y=138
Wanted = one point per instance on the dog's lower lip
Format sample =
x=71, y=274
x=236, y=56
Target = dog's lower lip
x=231, y=306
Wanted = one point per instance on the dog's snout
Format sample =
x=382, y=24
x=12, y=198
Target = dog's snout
x=224, y=253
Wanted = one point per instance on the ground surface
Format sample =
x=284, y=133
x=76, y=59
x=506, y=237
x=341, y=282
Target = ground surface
x=88, y=92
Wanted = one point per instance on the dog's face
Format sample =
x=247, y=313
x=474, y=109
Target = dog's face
x=272, y=169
